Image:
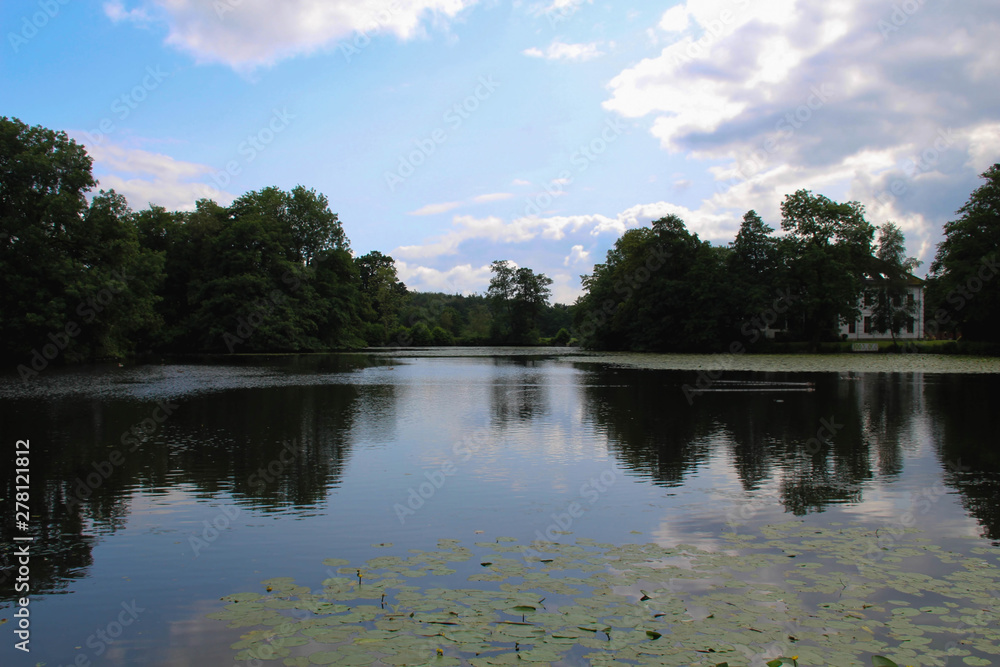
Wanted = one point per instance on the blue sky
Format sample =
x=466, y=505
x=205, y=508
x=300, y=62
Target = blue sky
x=449, y=133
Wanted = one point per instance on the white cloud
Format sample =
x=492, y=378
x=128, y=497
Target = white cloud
x=707, y=223
x=561, y=51
x=463, y=279
x=792, y=94
x=145, y=178
x=444, y=207
x=116, y=11
x=576, y=255
x=492, y=197
x=172, y=195
x=675, y=19
x=520, y=181
x=558, y=11
x=248, y=33
x=435, y=209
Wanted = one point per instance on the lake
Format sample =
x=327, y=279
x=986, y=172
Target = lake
x=157, y=490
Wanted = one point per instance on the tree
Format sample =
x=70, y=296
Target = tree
x=270, y=272
x=755, y=265
x=74, y=282
x=531, y=299
x=382, y=294
x=828, y=248
x=966, y=263
x=892, y=309
x=517, y=298
x=661, y=288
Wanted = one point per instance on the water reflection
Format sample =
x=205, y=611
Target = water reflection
x=818, y=447
x=965, y=421
x=277, y=436
x=518, y=391
x=281, y=447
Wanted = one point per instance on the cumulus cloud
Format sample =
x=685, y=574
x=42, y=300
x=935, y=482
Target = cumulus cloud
x=248, y=33
x=467, y=228
x=848, y=98
x=576, y=255
x=462, y=279
x=145, y=178
x=562, y=51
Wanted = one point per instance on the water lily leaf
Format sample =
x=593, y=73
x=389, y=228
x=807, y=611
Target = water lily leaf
x=881, y=661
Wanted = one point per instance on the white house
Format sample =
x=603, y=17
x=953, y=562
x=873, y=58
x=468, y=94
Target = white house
x=863, y=328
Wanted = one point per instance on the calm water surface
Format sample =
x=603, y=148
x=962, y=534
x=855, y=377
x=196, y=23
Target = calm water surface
x=156, y=490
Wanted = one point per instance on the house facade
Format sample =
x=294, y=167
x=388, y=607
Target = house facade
x=863, y=328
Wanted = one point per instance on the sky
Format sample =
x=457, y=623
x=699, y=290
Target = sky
x=451, y=133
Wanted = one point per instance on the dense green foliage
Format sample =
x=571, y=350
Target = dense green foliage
x=660, y=288
x=274, y=272
x=963, y=296
x=75, y=282
x=517, y=298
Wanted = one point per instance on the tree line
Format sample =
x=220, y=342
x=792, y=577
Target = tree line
x=82, y=276
x=663, y=289
x=85, y=277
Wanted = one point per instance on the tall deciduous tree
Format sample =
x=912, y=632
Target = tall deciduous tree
x=755, y=265
x=517, y=297
x=892, y=309
x=965, y=270
x=382, y=295
x=661, y=288
x=828, y=247
x=74, y=282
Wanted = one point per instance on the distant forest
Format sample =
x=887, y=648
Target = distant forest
x=84, y=277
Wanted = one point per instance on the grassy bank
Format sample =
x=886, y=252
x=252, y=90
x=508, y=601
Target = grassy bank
x=972, y=348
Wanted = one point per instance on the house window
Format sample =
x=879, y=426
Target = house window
x=909, y=325
x=897, y=300
x=868, y=325
x=909, y=299
x=852, y=327
x=868, y=299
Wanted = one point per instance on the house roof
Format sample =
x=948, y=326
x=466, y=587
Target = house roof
x=881, y=271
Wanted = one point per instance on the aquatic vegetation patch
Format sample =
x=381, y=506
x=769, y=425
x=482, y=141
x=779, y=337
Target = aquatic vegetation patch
x=815, y=594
